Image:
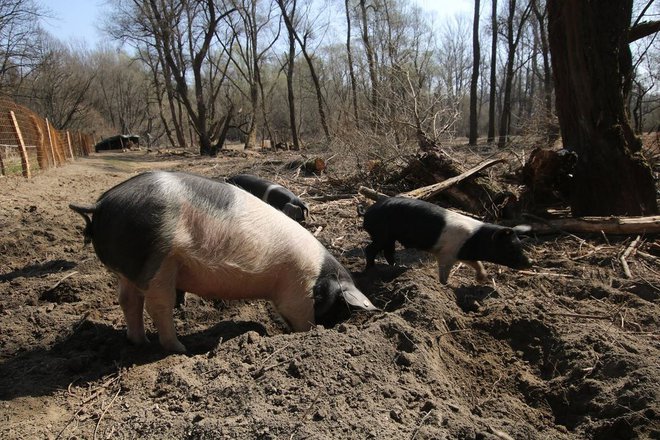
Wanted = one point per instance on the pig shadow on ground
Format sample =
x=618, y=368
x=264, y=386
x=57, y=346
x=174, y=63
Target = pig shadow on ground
x=469, y=298
x=94, y=350
x=37, y=270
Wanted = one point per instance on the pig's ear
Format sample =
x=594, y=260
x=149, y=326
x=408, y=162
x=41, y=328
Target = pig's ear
x=356, y=298
x=522, y=229
x=293, y=211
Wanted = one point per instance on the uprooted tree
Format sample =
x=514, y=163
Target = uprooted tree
x=589, y=43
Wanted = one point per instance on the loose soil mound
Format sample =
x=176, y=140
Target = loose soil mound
x=568, y=350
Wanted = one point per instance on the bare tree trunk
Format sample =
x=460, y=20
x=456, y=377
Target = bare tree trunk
x=505, y=116
x=252, y=30
x=476, y=57
x=513, y=38
x=289, y=74
x=591, y=83
x=371, y=62
x=351, y=69
x=493, y=74
x=317, y=88
x=547, y=72
x=312, y=71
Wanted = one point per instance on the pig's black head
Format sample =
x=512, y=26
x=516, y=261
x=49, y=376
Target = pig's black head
x=334, y=289
x=496, y=244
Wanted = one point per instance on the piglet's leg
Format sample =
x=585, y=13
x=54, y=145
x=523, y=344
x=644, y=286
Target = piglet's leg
x=131, y=301
x=482, y=276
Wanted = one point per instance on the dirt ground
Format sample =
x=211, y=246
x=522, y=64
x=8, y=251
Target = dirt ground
x=567, y=350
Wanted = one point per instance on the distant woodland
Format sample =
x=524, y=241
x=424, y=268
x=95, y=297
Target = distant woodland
x=378, y=75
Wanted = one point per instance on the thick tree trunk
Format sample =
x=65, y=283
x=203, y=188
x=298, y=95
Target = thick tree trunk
x=371, y=62
x=493, y=74
x=476, y=57
x=591, y=63
x=351, y=68
x=545, y=53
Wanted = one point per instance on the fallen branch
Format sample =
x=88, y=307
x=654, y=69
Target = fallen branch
x=98, y=423
x=331, y=197
x=625, y=255
x=608, y=225
x=427, y=192
x=372, y=194
x=580, y=315
x=547, y=274
x=500, y=434
x=54, y=286
x=421, y=423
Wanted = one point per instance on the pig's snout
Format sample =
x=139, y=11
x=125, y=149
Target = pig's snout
x=524, y=263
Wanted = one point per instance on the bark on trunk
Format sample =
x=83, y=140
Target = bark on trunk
x=592, y=64
x=493, y=77
x=351, y=69
x=476, y=56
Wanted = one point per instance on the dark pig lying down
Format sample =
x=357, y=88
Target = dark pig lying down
x=163, y=231
x=273, y=194
x=449, y=236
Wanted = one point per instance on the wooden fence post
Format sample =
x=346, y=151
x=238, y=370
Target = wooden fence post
x=50, y=142
x=68, y=141
x=25, y=163
x=42, y=155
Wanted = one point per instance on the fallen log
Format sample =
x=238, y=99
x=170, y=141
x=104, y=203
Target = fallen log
x=313, y=166
x=427, y=192
x=608, y=225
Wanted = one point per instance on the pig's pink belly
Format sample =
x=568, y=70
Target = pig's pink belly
x=226, y=283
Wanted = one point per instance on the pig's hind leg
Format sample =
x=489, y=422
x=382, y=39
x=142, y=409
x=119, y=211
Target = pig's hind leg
x=389, y=252
x=160, y=298
x=131, y=300
x=160, y=307
x=480, y=272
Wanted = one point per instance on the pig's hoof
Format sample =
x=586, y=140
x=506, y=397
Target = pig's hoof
x=137, y=339
x=482, y=279
x=174, y=346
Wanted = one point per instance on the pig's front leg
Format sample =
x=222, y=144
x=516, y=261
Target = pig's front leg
x=445, y=264
x=131, y=300
x=296, y=307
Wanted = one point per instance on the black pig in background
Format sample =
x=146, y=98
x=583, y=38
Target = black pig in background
x=449, y=236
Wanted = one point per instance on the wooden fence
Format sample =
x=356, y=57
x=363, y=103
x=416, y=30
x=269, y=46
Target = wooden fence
x=29, y=143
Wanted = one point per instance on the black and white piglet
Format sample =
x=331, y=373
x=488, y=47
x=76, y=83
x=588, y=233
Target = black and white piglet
x=450, y=236
x=163, y=231
x=273, y=194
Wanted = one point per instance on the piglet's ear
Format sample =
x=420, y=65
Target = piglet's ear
x=293, y=211
x=522, y=229
x=356, y=298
